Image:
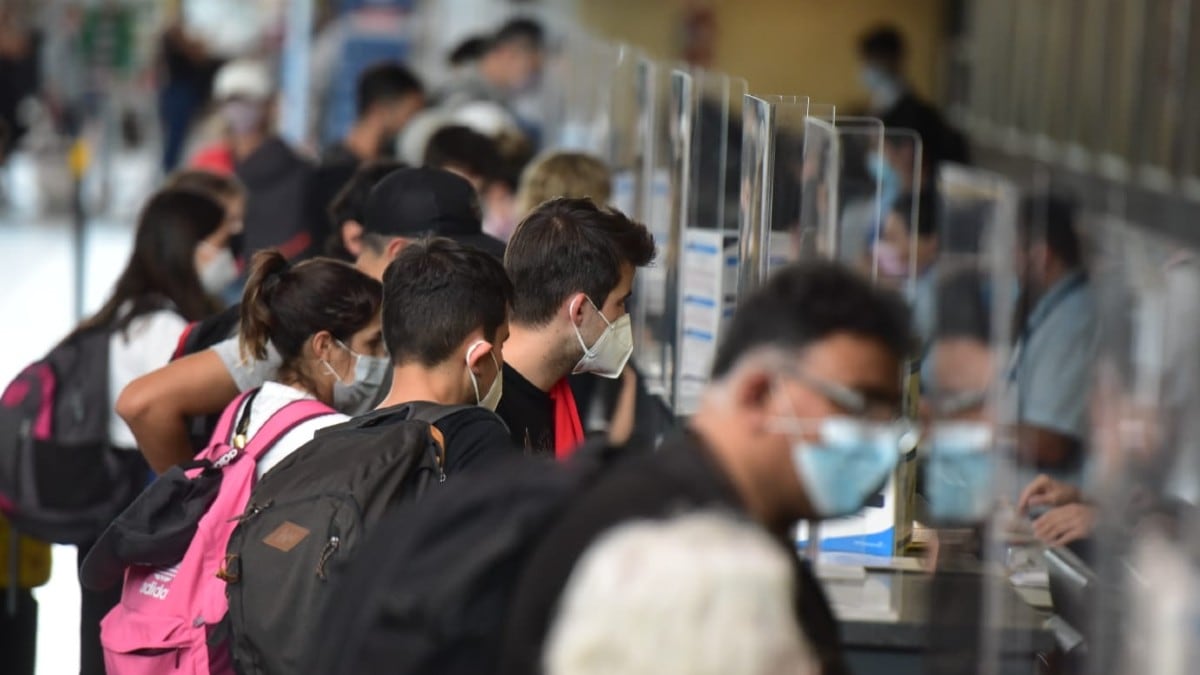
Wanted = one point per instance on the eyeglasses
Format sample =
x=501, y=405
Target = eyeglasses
x=954, y=403
x=865, y=404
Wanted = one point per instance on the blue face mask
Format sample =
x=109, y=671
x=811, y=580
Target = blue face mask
x=889, y=181
x=959, y=472
x=849, y=463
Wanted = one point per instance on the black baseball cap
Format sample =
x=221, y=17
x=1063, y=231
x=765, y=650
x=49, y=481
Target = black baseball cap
x=420, y=202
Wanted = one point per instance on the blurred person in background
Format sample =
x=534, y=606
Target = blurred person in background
x=563, y=174
x=465, y=55
x=883, y=54
x=157, y=294
x=388, y=95
x=510, y=66
x=476, y=157
x=696, y=595
x=19, y=71
x=905, y=247
x=347, y=210
x=186, y=74
x=217, y=257
x=1055, y=342
x=277, y=179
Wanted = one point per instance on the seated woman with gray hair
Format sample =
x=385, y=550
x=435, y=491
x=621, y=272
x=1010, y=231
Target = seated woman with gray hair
x=696, y=595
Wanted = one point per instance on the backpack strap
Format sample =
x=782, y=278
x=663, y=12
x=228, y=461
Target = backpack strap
x=224, y=429
x=284, y=420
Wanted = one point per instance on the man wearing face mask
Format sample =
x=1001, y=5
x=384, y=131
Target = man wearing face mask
x=883, y=54
x=404, y=206
x=445, y=320
x=572, y=265
x=276, y=178
x=799, y=423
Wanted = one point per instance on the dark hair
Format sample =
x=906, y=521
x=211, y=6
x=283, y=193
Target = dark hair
x=385, y=82
x=926, y=212
x=287, y=305
x=567, y=246
x=963, y=305
x=464, y=149
x=883, y=43
x=468, y=51
x=217, y=185
x=1051, y=218
x=436, y=292
x=807, y=302
x=161, y=271
x=522, y=30
x=351, y=201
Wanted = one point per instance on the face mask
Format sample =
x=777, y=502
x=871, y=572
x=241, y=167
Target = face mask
x=492, y=399
x=220, y=271
x=889, y=181
x=884, y=89
x=607, y=357
x=850, y=462
x=355, y=398
x=958, y=472
x=243, y=117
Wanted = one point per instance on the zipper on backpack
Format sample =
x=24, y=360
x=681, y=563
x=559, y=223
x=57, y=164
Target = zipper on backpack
x=331, y=547
x=252, y=512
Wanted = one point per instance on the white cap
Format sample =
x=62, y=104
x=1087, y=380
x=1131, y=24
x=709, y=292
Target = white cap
x=243, y=78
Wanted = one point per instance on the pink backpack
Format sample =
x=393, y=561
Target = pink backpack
x=171, y=619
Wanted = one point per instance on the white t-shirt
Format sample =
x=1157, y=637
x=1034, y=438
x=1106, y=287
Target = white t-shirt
x=145, y=346
x=270, y=399
x=247, y=373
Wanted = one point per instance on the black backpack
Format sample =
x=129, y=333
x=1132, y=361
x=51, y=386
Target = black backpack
x=60, y=480
x=430, y=592
x=310, y=513
x=197, y=337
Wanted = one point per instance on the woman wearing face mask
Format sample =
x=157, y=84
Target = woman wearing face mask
x=156, y=295
x=323, y=317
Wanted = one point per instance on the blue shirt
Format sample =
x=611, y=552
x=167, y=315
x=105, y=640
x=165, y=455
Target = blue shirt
x=1051, y=369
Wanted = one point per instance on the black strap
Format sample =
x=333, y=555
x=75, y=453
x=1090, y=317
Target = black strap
x=243, y=424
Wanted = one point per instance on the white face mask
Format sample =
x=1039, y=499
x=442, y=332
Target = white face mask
x=356, y=396
x=608, y=355
x=220, y=271
x=492, y=398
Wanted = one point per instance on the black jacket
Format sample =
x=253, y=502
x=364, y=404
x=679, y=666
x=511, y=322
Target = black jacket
x=681, y=477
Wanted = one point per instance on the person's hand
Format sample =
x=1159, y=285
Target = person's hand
x=1045, y=491
x=1065, y=524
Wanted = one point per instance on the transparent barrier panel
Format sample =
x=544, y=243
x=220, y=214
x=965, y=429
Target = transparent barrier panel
x=654, y=328
x=1141, y=547
x=977, y=623
x=709, y=136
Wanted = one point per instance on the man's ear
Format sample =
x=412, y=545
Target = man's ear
x=394, y=247
x=480, y=354
x=352, y=232
x=575, y=304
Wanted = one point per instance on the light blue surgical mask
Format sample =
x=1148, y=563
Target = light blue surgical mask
x=885, y=90
x=849, y=462
x=959, y=471
x=887, y=177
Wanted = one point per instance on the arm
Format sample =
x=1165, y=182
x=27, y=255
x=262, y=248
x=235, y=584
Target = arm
x=157, y=406
x=1046, y=448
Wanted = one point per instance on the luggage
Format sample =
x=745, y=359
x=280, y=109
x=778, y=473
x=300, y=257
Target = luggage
x=430, y=591
x=171, y=617
x=60, y=480
x=310, y=513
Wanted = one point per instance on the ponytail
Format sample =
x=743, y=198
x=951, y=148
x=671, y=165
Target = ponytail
x=254, y=331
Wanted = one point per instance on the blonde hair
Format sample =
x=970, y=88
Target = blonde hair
x=563, y=174
x=698, y=595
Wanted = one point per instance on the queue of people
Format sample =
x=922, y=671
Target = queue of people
x=315, y=427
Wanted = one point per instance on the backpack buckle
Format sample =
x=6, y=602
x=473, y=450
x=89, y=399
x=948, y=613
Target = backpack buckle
x=230, y=571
